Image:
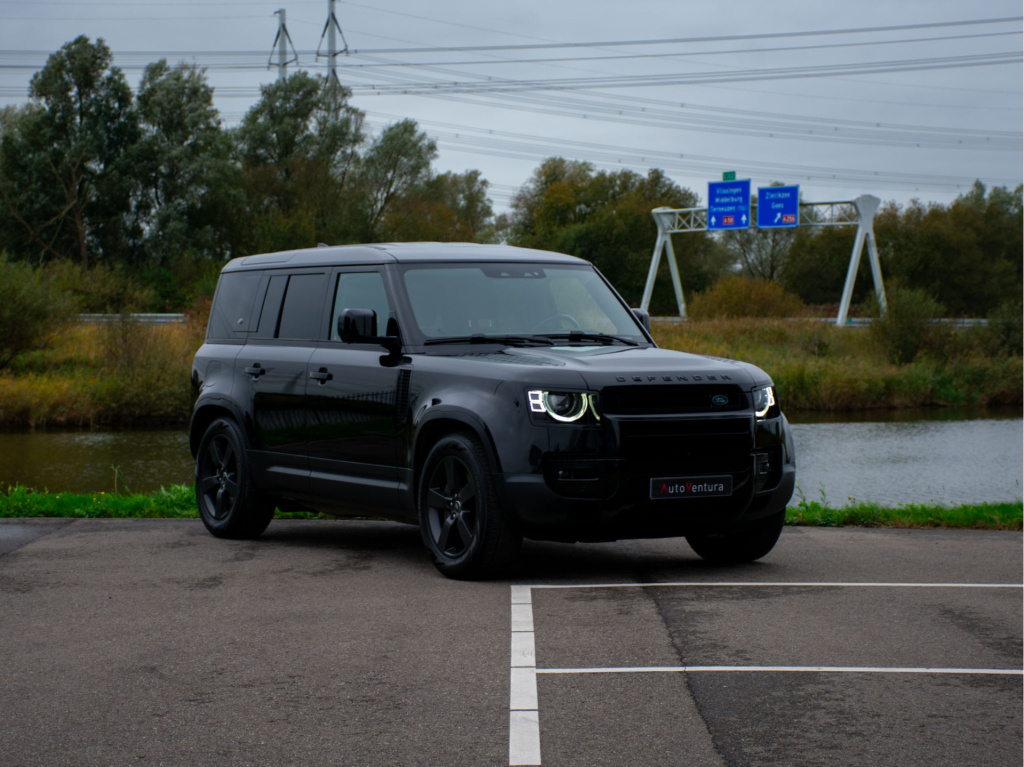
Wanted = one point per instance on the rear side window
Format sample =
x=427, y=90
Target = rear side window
x=303, y=307
x=232, y=311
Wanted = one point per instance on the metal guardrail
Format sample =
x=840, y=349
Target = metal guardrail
x=157, y=319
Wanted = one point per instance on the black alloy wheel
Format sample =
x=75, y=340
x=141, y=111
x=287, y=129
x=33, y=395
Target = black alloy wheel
x=461, y=519
x=452, y=507
x=228, y=502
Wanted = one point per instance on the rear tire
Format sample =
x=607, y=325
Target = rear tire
x=229, y=504
x=735, y=548
x=463, y=524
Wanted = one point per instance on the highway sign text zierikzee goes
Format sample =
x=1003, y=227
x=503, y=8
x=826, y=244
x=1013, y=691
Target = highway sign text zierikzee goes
x=778, y=206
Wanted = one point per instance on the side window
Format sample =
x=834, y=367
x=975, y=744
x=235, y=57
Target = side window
x=360, y=290
x=303, y=307
x=232, y=311
x=272, y=306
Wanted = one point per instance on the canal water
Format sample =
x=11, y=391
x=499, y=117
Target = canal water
x=891, y=458
x=944, y=461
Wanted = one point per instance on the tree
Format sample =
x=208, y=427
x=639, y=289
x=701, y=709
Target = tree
x=450, y=207
x=817, y=264
x=397, y=160
x=966, y=255
x=67, y=153
x=298, y=146
x=760, y=253
x=550, y=201
x=606, y=218
x=301, y=119
x=188, y=184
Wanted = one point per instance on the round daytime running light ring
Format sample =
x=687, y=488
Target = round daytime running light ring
x=565, y=406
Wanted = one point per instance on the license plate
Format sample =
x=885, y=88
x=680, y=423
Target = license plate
x=690, y=487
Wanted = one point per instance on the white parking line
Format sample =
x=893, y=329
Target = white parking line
x=524, y=717
x=524, y=708
x=787, y=584
x=819, y=669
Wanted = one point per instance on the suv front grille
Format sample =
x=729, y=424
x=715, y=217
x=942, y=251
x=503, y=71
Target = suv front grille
x=686, y=446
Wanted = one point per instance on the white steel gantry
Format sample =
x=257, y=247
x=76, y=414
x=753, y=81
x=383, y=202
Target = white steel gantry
x=859, y=212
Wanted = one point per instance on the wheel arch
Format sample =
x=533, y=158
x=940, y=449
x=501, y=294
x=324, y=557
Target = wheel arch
x=207, y=413
x=441, y=424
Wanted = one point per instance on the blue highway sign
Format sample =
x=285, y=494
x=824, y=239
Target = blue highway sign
x=729, y=204
x=778, y=206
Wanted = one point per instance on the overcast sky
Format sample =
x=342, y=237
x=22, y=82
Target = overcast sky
x=897, y=99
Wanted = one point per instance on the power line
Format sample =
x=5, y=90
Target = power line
x=775, y=73
x=688, y=40
x=526, y=146
x=676, y=54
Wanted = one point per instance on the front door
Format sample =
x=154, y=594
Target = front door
x=353, y=404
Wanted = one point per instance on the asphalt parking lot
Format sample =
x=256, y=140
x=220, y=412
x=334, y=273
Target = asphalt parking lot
x=337, y=643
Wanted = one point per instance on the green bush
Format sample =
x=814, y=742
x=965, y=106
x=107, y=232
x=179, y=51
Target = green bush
x=908, y=326
x=32, y=309
x=744, y=297
x=102, y=289
x=146, y=370
x=1005, y=329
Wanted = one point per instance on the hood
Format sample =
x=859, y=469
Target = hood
x=601, y=366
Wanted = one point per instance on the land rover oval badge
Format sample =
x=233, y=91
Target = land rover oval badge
x=719, y=400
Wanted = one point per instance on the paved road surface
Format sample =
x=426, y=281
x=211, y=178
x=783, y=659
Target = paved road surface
x=337, y=643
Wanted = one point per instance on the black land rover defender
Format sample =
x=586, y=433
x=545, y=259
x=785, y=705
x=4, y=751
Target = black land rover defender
x=486, y=393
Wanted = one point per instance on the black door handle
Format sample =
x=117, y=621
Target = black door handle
x=256, y=371
x=321, y=375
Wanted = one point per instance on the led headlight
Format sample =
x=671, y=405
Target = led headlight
x=764, y=399
x=566, y=407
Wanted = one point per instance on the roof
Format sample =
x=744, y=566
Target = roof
x=400, y=253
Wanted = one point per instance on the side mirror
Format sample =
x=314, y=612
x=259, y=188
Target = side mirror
x=644, y=318
x=359, y=326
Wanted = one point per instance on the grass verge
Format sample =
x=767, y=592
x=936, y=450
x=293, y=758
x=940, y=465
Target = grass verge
x=978, y=516
x=178, y=502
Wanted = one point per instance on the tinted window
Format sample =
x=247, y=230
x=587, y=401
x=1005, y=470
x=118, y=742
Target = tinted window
x=361, y=290
x=272, y=306
x=303, y=307
x=232, y=311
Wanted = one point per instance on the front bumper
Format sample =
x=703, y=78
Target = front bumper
x=575, y=495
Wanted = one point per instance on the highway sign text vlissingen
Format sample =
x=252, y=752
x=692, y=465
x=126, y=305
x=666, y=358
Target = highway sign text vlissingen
x=778, y=206
x=729, y=204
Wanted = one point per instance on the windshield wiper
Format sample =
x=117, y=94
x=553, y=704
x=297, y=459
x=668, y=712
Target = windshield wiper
x=481, y=338
x=602, y=338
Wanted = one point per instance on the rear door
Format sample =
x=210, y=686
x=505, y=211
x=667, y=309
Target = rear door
x=274, y=365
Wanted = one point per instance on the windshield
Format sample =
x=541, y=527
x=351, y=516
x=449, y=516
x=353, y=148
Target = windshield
x=516, y=299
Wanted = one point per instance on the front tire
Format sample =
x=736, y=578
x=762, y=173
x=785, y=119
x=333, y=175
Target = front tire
x=736, y=548
x=462, y=521
x=228, y=502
